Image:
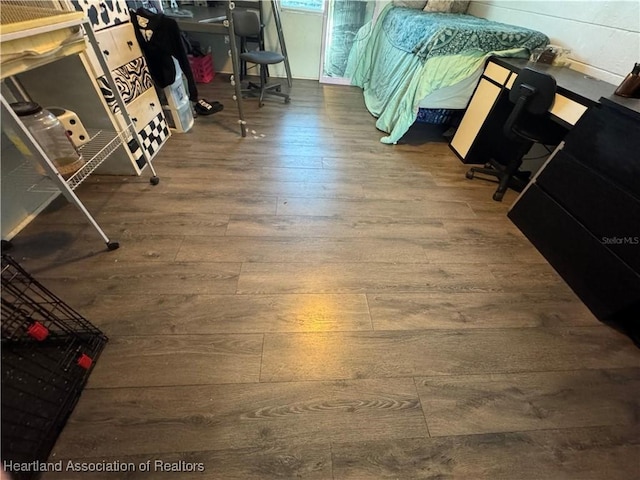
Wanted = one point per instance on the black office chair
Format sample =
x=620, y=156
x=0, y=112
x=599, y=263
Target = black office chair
x=533, y=94
x=246, y=24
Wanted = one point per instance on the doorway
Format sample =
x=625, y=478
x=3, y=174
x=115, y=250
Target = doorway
x=342, y=21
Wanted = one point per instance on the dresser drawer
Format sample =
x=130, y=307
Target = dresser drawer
x=119, y=45
x=608, y=212
x=607, y=285
x=144, y=108
x=607, y=141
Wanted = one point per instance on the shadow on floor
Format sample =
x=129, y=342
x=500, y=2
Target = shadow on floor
x=421, y=133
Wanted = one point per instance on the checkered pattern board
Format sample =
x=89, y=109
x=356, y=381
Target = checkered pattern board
x=152, y=137
x=136, y=151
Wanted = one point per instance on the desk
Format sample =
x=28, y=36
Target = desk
x=481, y=127
x=582, y=208
x=219, y=21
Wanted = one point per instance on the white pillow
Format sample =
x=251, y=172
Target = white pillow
x=417, y=4
x=447, y=6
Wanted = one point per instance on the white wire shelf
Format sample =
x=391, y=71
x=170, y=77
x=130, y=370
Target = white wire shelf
x=25, y=177
x=101, y=145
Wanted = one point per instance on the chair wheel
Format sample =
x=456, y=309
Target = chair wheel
x=154, y=180
x=287, y=100
x=113, y=245
x=469, y=174
x=497, y=196
x=278, y=88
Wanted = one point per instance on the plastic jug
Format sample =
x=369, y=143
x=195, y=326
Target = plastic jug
x=51, y=136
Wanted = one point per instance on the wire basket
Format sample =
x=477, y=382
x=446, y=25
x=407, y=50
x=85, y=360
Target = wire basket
x=21, y=11
x=21, y=14
x=36, y=33
x=48, y=352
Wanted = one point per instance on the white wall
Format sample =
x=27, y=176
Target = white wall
x=603, y=35
x=303, y=38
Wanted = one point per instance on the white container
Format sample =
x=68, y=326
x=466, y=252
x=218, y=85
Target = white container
x=179, y=119
x=176, y=93
x=176, y=105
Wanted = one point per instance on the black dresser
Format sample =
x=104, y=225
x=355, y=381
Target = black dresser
x=582, y=212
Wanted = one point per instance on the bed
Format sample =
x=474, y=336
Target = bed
x=410, y=60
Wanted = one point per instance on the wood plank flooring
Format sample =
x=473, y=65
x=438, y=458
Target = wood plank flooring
x=307, y=302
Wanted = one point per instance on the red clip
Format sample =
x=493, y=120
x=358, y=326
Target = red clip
x=38, y=331
x=85, y=361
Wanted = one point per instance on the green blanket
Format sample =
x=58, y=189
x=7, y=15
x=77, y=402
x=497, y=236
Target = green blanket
x=397, y=67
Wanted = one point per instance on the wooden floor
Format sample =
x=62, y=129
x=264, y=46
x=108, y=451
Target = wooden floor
x=307, y=302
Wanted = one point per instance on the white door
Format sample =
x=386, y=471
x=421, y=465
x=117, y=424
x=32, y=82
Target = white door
x=342, y=20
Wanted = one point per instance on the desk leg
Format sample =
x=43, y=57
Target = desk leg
x=283, y=47
x=236, y=67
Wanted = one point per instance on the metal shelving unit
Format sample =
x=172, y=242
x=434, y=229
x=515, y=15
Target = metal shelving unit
x=57, y=32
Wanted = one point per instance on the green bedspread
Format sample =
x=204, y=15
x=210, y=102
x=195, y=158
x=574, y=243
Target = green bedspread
x=409, y=54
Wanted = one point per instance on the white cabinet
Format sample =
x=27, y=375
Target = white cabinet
x=128, y=67
x=119, y=47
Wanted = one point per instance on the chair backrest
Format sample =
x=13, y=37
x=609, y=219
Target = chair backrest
x=533, y=92
x=538, y=87
x=246, y=23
